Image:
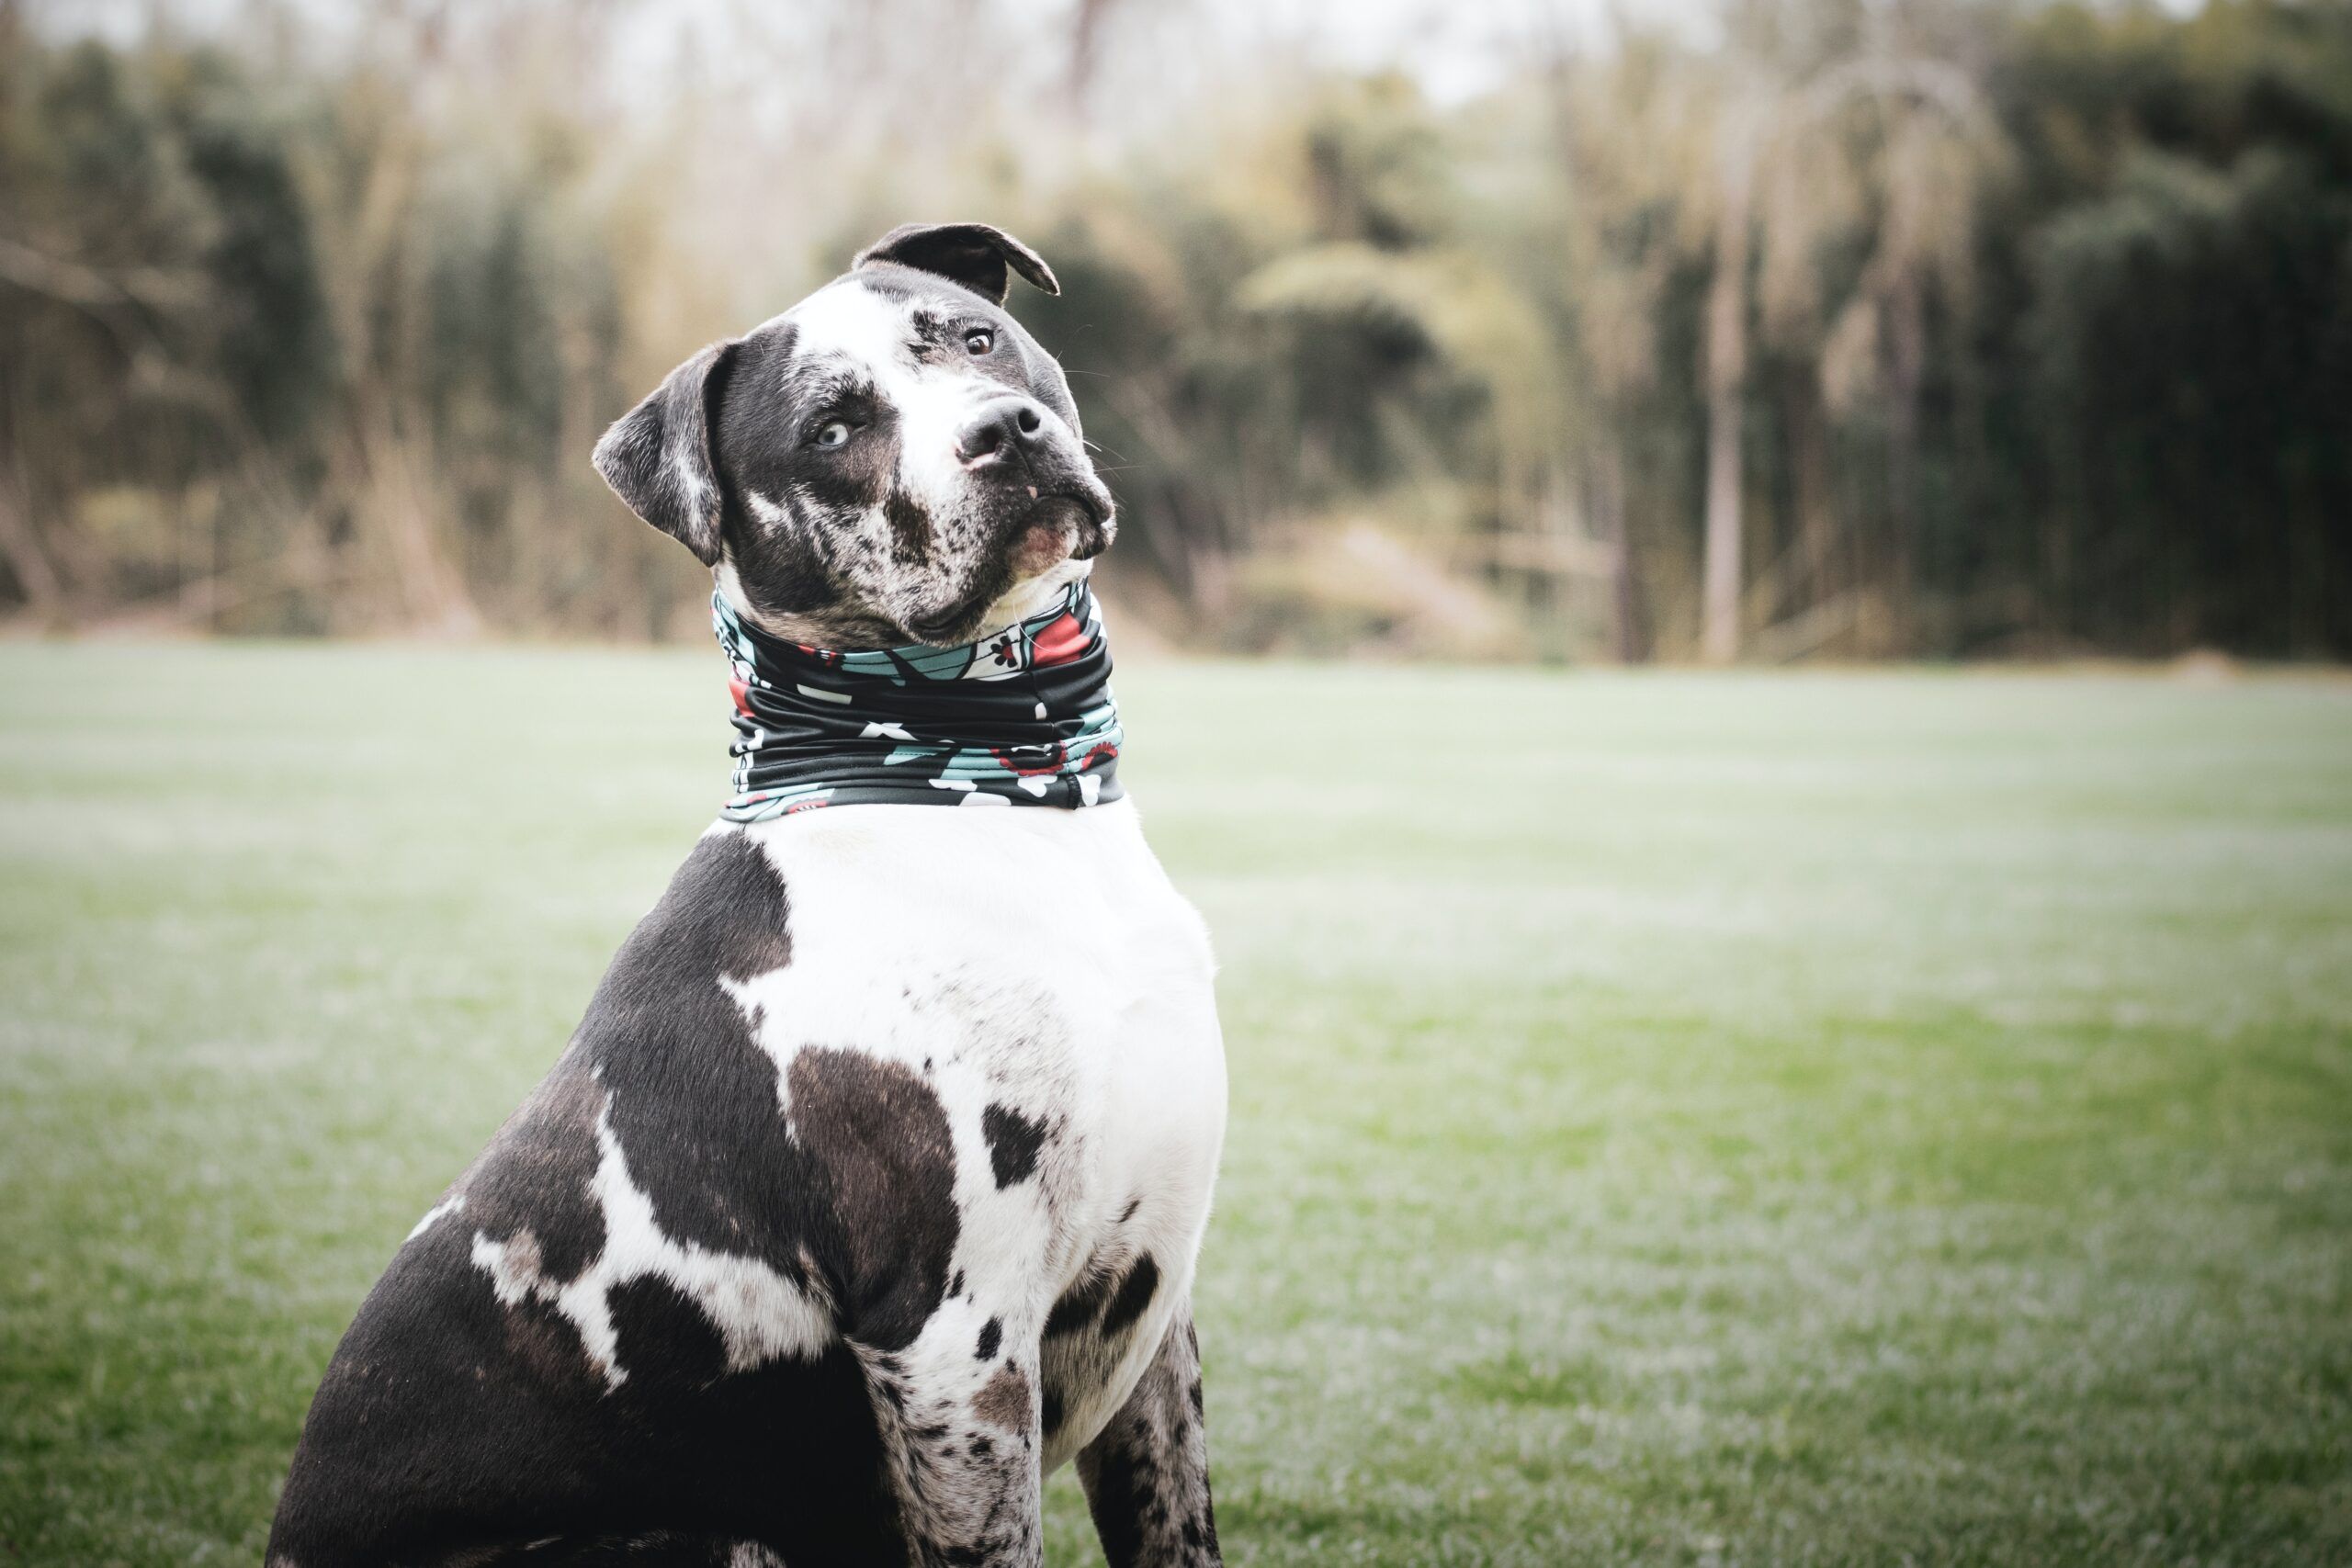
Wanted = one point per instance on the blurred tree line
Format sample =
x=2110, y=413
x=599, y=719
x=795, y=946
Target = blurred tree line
x=1863, y=328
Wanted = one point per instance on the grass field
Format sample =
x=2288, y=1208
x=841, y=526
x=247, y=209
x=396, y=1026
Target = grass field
x=1818, y=1118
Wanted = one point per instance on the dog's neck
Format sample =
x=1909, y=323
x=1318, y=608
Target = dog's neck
x=1021, y=716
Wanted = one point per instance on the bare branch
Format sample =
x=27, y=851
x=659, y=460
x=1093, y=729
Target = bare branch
x=72, y=283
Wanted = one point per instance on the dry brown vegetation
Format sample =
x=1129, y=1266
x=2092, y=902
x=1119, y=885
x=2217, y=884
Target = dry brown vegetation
x=1870, y=327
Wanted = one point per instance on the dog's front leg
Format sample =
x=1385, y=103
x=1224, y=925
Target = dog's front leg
x=959, y=1417
x=1147, y=1475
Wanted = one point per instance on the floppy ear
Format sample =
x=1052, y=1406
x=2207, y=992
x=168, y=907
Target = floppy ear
x=973, y=254
x=657, y=455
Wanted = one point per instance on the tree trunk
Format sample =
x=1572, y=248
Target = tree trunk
x=1812, y=473
x=1609, y=515
x=44, y=591
x=1726, y=375
x=1906, y=355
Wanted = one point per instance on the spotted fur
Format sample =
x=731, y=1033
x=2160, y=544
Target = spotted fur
x=868, y=1190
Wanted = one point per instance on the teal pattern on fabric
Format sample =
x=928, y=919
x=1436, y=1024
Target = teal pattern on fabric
x=1022, y=717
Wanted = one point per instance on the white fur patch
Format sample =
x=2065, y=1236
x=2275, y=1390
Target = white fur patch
x=931, y=402
x=686, y=467
x=446, y=1206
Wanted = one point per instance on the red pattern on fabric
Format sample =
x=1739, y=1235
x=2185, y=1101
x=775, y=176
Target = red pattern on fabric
x=742, y=692
x=1061, y=642
x=1005, y=760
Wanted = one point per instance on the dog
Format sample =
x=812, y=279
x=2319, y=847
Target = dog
x=869, y=1190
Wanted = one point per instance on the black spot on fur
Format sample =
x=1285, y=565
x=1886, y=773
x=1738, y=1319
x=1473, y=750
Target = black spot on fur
x=886, y=1166
x=909, y=527
x=1014, y=1141
x=992, y=1336
x=1135, y=1294
x=1129, y=1212
x=1053, y=1410
x=1119, y=1489
x=663, y=1335
x=1079, y=1306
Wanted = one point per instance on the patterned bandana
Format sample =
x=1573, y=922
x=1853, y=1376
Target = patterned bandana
x=1023, y=716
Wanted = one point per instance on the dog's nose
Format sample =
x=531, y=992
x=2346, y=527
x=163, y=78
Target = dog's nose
x=1002, y=426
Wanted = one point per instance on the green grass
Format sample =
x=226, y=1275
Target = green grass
x=1823, y=1119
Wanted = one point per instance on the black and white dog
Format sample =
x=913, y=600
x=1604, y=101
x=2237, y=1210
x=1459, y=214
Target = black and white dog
x=869, y=1189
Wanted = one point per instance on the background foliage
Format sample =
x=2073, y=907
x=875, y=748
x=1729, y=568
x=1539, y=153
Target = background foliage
x=1828, y=327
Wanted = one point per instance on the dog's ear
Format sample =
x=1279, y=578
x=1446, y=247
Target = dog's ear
x=974, y=254
x=657, y=455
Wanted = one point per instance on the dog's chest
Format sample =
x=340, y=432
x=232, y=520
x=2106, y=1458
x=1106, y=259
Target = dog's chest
x=1038, y=971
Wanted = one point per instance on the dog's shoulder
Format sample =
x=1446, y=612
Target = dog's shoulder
x=726, y=913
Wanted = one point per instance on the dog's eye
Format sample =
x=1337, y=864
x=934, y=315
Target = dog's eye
x=978, y=340
x=833, y=433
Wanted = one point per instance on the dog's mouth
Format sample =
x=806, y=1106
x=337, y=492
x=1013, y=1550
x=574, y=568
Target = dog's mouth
x=960, y=622
x=1082, y=512
x=1064, y=524
x=1092, y=497
x=957, y=626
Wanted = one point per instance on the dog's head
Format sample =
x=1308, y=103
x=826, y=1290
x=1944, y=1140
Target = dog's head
x=892, y=460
